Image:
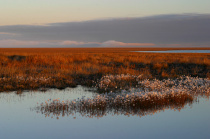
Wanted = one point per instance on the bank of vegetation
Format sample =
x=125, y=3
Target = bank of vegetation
x=41, y=68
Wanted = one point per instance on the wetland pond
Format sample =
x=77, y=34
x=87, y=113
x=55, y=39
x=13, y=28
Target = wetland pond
x=83, y=113
x=176, y=51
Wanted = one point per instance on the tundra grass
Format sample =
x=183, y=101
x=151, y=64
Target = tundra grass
x=35, y=68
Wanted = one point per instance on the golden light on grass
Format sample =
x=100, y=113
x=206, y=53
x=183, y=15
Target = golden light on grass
x=34, y=68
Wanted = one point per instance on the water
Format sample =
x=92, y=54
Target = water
x=19, y=119
x=176, y=51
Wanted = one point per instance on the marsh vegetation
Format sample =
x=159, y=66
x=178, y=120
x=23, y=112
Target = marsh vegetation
x=152, y=97
x=31, y=69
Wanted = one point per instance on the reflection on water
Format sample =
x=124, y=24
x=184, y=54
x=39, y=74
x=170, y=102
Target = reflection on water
x=176, y=51
x=18, y=118
x=155, y=95
x=101, y=105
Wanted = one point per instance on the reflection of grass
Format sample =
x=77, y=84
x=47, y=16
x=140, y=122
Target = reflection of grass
x=44, y=68
x=130, y=104
x=155, y=95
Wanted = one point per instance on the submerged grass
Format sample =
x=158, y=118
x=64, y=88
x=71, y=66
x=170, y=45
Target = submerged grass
x=22, y=69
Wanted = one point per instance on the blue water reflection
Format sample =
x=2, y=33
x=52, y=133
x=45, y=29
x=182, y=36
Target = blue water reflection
x=18, y=121
x=176, y=51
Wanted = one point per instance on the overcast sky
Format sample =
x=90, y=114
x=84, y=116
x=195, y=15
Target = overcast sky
x=104, y=23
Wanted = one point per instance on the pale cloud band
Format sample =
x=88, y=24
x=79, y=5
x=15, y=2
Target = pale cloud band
x=67, y=43
x=75, y=44
x=113, y=43
x=7, y=33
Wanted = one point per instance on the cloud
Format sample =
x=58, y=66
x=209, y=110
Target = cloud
x=67, y=43
x=113, y=43
x=75, y=44
x=26, y=44
x=6, y=33
x=71, y=43
x=15, y=43
x=144, y=31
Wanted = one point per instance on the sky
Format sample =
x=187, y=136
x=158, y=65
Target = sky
x=104, y=23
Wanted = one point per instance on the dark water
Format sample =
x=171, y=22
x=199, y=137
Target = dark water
x=18, y=120
x=177, y=51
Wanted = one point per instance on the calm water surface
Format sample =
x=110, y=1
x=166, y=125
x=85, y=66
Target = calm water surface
x=18, y=120
x=177, y=51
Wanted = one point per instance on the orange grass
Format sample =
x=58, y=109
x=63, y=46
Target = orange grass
x=33, y=68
